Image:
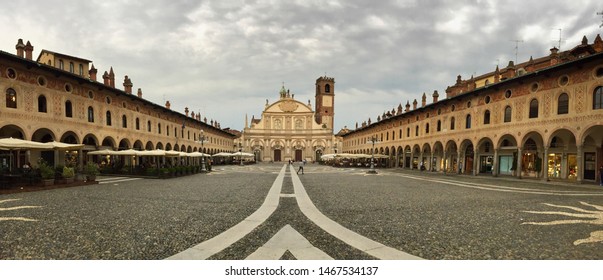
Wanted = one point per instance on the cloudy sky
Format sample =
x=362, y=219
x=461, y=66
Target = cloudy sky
x=226, y=57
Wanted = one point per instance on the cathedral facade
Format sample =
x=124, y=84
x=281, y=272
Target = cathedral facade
x=290, y=130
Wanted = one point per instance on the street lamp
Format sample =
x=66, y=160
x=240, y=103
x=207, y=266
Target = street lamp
x=240, y=154
x=372, y=169
x=202, y=139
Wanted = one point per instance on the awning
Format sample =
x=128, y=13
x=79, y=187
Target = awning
x=20, y=144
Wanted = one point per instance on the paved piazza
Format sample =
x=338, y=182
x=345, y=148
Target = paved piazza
x=265, y=211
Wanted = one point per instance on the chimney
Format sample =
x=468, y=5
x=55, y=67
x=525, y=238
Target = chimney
x=435, y=96
x=28, y=50
x=20, y=48
x=127, y=85
x=423, y=100
x=407, y=106
x=186, y=111
x=554, y=56
x=92, y=72
x=139, y=93
x=106, y=79
x=111, y=78
x=414, y=104
x=510, y=69
x=167, y=104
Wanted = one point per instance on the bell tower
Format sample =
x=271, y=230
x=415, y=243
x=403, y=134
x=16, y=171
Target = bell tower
x=325, y=101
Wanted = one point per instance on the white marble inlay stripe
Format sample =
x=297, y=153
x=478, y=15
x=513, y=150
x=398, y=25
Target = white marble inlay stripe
x=220, y=242
x=288, y=239
x=351, y=238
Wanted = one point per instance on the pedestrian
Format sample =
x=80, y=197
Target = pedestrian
x=601, y=176
x=301, y=167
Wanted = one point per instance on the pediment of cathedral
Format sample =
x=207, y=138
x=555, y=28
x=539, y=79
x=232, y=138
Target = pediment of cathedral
x=288, y=106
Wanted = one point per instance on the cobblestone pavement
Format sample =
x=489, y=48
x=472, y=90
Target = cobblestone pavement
x=428, y=215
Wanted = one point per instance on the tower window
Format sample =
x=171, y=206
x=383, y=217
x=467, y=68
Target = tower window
x=327, y=88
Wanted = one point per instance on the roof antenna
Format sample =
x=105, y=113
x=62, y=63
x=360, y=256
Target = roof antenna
x=516, y=48
x=601, y=14
x=560, y=39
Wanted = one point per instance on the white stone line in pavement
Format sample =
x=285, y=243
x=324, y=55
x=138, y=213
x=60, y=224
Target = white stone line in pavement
x=117, y=181
x=287, y=238
x=351, y=238
x=16, y=208
x=220, y=242
x=500, y=188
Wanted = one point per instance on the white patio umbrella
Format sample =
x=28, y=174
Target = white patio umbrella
x=20, y=144
x=223, y=154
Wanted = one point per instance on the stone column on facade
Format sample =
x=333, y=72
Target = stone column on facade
x=80, y=159
x=431, y=167
x=459, y=163
x=495, y=164
x=476, y=162
x=56, y=157
x=545, y=164
x=580, y=170
x=519, y=157
x=412, y=158
x=445, y=162
x=421, y=162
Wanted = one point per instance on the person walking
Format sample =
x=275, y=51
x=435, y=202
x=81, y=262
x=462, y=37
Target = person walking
x=301, y=167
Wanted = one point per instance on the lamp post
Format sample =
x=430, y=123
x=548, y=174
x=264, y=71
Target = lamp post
x=240, y=154
x=202, y=139
x=372, y=169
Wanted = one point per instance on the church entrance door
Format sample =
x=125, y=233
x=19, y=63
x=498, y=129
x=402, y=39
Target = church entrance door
x=277, y=155
x=298, y=155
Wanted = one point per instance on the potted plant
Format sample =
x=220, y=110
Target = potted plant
x=68, y=174
x=91, y=171
x=47, y=173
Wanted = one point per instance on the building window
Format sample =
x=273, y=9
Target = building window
x=159, y=128
x=61, y=64
x=11, y=98
x=507, y=114
x=563, y=104
x=42, y=104
x=468, y=121
x=81, y=70
x=68, y=109
x=439, y=127
x=452, y=123
x=90, y=114
x=533, y=109
x=71, y=68
x=426, y=128
x=137, y=124
x=417, y=130
x=400, y=135
x=508, y=93
x=327, y=88
x=487, y=99
x=124, y=121
x=167, y=130
x=108, y=118
x=407, y=132
x=598, y=98
x=149, y=126
x=487, y=117
x=11, y=73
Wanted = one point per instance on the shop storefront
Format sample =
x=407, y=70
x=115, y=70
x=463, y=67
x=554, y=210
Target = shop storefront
x=505, y=165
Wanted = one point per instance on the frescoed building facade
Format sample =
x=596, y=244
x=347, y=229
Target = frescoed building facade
x=542, y=118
